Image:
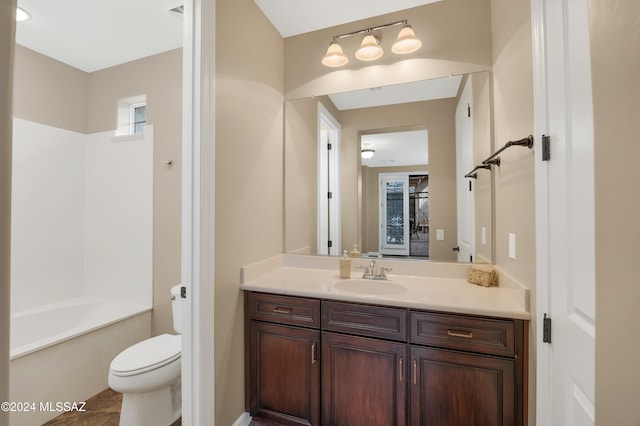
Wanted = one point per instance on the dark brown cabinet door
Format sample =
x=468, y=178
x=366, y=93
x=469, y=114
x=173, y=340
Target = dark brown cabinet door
x=363, y=381
x=451, y=388
x=284, y=374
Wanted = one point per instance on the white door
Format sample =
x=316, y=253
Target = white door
x=564, y=213
x=394, y=214
x=464, y=163
x=329, y=223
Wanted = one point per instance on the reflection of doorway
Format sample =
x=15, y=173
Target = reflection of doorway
x=464, y=161
x=329, y=228
x=404, y=214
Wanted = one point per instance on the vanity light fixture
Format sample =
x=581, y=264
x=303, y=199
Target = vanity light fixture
x=370, y=48
x=21, y=15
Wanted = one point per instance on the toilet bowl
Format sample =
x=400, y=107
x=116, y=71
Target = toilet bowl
x=148, y=376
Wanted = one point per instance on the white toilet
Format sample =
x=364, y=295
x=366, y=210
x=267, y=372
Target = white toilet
x=148, y=376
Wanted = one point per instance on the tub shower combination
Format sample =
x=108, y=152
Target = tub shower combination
x=81, y=267
x=61, y=352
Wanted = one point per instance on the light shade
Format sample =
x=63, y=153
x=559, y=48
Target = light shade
x=407, y=42
x=367, y=153
x=334, y=57
x=369, y=50
x=22, y=15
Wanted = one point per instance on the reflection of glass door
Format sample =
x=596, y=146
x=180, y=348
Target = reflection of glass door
x=394, y=214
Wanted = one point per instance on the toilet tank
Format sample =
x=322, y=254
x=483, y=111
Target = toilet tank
x=177, y=304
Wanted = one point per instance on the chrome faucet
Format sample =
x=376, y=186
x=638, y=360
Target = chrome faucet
x=372, y=272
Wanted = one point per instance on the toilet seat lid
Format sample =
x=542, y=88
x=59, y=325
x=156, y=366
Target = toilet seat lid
x=147, y=355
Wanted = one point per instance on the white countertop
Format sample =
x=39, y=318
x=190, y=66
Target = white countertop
x=420, y=285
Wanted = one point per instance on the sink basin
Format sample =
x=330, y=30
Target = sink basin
x=363, y=286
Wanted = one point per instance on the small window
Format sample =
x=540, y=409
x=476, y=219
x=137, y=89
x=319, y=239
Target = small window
x=137, y=117
x=132, y=115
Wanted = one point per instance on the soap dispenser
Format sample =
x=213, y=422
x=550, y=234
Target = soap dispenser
x=345, y=266
x=355, y=252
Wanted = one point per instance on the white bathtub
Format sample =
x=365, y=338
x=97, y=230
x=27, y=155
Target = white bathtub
x=61, y=352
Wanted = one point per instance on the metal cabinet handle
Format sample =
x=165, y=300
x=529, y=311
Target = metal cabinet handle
x=314, y=356
x=415, y=373
x=465, y=334
x=281, y=310
x=401, y=370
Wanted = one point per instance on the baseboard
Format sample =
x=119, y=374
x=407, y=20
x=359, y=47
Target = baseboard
x=243, y=420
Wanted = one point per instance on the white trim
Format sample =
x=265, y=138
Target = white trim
x=198, y=366
x=543, y=365
x=333, y=184
x=243, y=420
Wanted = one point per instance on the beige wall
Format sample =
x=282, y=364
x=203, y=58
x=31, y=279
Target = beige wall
x=514, y=179
x=456, y=37
x=52, y=93
x=7, y=35
x=300, y=175
x=615, y=43
x=248, y=178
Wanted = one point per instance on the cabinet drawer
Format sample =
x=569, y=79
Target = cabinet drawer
x=283, y=309
x=365, y=320
x=484, y=335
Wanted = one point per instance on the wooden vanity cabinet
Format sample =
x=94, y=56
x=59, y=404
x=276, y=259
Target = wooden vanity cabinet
x=363, y=376
x=334, y=363
x=471, y=373
x=282, y=366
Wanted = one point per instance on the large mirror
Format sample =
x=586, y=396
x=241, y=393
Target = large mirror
x=411, y=199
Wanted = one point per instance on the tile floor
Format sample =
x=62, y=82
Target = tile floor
x=102, y=409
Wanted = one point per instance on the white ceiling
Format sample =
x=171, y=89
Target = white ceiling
x=92, y=35
x=439, y=88
x=408, y=148
x=293, y=17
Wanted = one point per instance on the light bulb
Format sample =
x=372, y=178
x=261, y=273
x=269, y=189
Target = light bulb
x=407, y=42
x=334, y=57
x=369, y=50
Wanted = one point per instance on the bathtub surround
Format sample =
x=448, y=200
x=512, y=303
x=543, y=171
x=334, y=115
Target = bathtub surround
x=65, y=371
x=82, y=212
x=40, y=328
x=81, y=261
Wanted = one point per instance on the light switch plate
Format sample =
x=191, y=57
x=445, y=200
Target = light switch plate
x=512, y=246
x=440, y=234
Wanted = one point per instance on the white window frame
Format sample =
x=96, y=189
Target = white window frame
x=125, y=109
x=132, y=116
